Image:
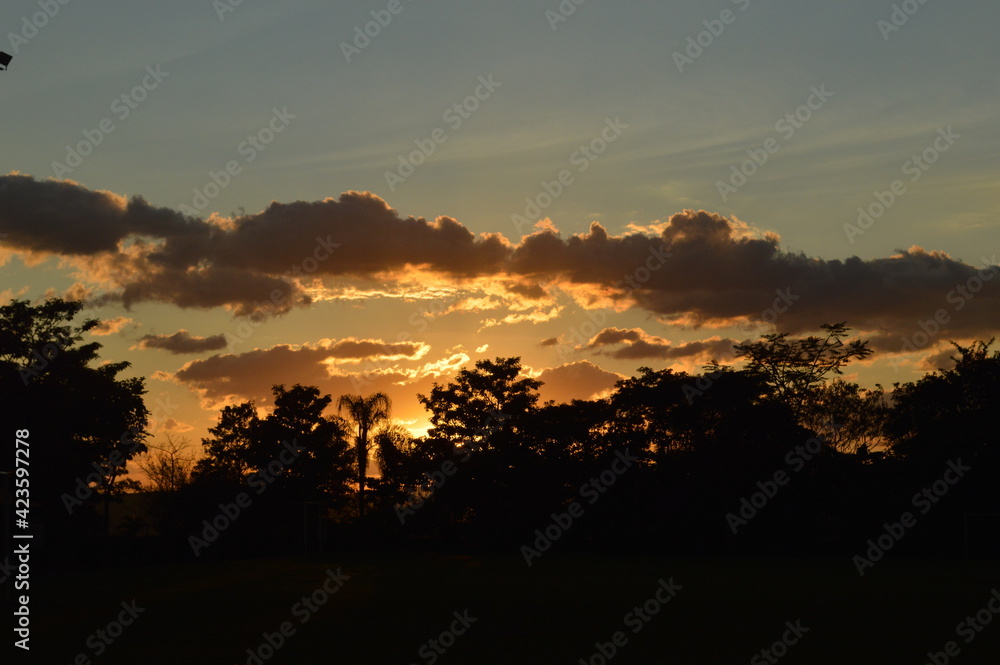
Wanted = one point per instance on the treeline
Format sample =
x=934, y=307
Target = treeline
x=779, y=456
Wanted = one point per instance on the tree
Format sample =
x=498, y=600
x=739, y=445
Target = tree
x=364, y=414
x=484, y=417
x=402, y=465
x=168, y=466
x=319, y=470
x=482, y=408
x=230, y=454
x=244, y=444
x=795, y=368
x=394, y=450
x=950, y=413
x=644, y=409
x=83, y=421
x=850, y=418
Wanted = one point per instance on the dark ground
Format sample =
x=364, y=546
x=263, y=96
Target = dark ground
x=554, y=612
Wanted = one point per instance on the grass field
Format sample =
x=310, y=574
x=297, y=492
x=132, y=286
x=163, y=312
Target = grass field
x=553, y=612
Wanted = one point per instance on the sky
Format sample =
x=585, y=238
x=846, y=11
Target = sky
x=372, y=195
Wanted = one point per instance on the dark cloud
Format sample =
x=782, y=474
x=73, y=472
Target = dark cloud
x=616, y=336
x=636, y=344
x=183, y=342
x=284, y=363
x=232, y=378
x=62, y=217
x=250, y=263
x=171, y=425
x=529, y=291
x=700, y=269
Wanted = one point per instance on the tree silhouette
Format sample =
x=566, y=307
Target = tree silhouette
x=229, y=452
x=167, y=465
x=91, y=421
x=795, y=368
x=482, y=407
x=320, y=469
x=950, y=412
x=850, y=418
x=244, y=444
x=364, y=414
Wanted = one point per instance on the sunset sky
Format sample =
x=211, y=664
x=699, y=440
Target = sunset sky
x=486, y=179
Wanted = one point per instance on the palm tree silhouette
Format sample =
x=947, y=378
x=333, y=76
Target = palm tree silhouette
x=364, y=413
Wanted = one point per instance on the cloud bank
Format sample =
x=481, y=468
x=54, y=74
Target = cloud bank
x=697, y=269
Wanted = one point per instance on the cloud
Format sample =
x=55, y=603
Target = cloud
x=939, y=360
x=223, y=379
x=64, y=218
x=536, y=316
x=578, y=380
x=634, y=344
x=531, y=291
x=372, y=348
x=696, y=269
x=110, y=326
x=233, y=378
x=171, y=425
x=144, y=253
x=182, y=342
